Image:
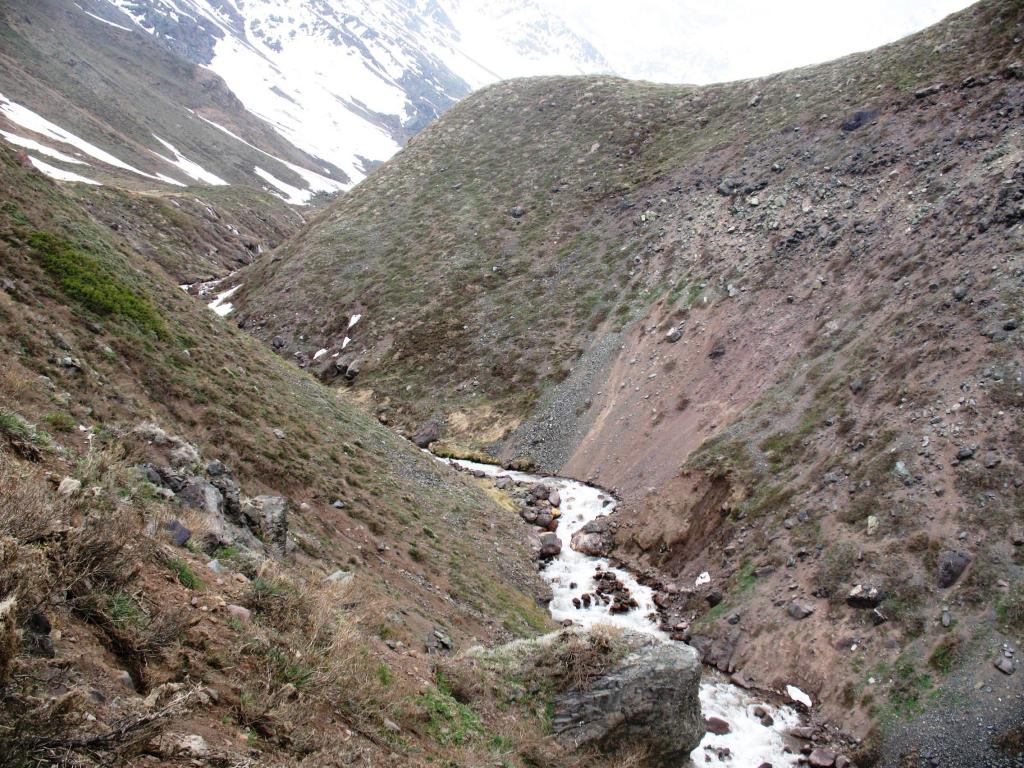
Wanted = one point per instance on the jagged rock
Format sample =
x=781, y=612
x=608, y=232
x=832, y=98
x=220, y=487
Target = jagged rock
x=202, y=495
x=428, y=432
x=951, y=565
x=268, y=514
x=194, y=746
x=649, y=699
x=799, y=610
x=540, y=491
x=232, y=497
x=1005, y=665
x=674, y=334
x=69, y=486
x=178, y=533
x=550, y=546
x=862, y=596
x=858, y=119
x=517, y=212
x=717, y=652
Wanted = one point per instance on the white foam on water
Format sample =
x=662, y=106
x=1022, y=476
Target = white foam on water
x=749, y=742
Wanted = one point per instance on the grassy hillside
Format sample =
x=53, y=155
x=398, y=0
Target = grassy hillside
x=109, y=366
x=493, y=251
x=839, y=249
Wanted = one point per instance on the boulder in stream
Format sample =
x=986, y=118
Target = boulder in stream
x=649, y=699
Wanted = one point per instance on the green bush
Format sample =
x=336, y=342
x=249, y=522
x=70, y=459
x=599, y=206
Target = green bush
x=87, y=281
x=60, y=422
x=186, y=576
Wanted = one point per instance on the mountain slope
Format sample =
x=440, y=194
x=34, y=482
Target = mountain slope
x=836, y=252
x=147, y=410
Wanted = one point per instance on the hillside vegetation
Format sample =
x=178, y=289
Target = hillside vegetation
x=174, y=499
x=780, y=317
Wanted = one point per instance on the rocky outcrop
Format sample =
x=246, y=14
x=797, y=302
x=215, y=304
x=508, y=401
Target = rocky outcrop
x=649, y=699
x=269, y=515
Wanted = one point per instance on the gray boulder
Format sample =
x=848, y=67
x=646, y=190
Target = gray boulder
x=269, y=515
x=202, y=495
x=594, y=538
x=951, y=565
x=428, y=432
x=650, y=699
x=550, y=546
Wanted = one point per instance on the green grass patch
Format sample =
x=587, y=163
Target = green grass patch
x=184, y=573
x=88, y=282
x=449, y=722
x=60, y=421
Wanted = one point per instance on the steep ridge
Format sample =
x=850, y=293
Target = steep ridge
x=158, y=120
x=780, y=317
x=130, y=417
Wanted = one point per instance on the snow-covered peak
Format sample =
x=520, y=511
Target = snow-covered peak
x=350, y=81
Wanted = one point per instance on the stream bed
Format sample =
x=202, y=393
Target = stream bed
x=571, y=573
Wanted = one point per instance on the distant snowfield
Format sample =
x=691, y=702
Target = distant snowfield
x=335, y=77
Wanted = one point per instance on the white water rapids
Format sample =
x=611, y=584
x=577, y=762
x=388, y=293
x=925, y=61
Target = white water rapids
x=750, y=743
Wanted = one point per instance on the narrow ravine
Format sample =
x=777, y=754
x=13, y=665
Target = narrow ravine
x=749, y=743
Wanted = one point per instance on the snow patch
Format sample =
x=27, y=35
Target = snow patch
x=221, y=305
x=100, y=18
x=59, y=173
x=35, y=146
x=286, y=191
x=315, y=181
x=704, y=578
x=797, y=695
x=319, y=353
x=188, y=167
x=354, y=319
x=36, y=123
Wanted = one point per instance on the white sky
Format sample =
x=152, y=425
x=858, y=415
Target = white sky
x=704, y=41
